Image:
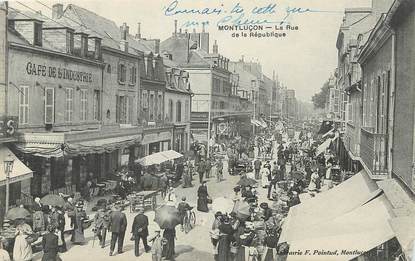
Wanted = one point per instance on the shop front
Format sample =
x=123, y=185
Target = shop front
x=156, y=140
x=180, y=138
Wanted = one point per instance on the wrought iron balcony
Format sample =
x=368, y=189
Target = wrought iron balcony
x=374, y=151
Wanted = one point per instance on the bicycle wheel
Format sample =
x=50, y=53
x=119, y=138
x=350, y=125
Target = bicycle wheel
x=192, y=219
x=186, y=225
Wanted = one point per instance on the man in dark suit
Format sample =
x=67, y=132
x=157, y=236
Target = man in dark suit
x=50, y=245
x=118, y=225
x=140, y=230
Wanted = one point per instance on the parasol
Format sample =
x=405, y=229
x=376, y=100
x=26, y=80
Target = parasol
x=167, y=217
x=53, y=200
x=222, y=204
x=297, y=175
x=17, y=213
x=246, y=182
x=242, y=210
x=152, y=159
x=171, y=154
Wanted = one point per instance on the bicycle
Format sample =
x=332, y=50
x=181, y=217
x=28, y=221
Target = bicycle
x=189, y=220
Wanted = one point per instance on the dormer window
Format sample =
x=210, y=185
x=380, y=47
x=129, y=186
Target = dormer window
x=37, y=39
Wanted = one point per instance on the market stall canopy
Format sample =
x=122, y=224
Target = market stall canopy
x=167, y=217
x=153, y=159
x=171, y=154
x=53, y=200
x=328, y=205
x=19, y=172
x=328, y=133
x=351, y=234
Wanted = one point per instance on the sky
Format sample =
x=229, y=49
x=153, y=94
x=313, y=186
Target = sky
x=303, y=60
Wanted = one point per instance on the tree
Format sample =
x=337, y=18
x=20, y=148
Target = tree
x=319, y=99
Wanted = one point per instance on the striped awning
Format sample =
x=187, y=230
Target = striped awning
x=19, y=172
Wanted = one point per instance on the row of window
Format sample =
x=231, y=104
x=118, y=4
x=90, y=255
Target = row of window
x=375, y=102
x=49, y=105
x=152, y=102
x=122, y=73
x=178, y=111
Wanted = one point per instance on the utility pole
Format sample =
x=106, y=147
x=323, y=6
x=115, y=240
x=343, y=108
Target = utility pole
x=209, y=117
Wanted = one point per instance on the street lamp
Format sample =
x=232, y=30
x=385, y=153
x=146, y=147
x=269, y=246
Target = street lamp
x=8, y=168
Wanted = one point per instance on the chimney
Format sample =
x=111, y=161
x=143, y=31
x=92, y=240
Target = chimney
x=138, y=35
x=175, y=27
x=273, y=75
x=242, y=58
x=57, y=11
x=157, y=45
x=124, y=31
x=215, y=47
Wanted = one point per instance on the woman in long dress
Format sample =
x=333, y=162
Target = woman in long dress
x=78, y=232
x=225, y=238
x=169, y=235
x=202, y=201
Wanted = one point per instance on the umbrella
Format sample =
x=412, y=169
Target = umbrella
x=53, y=200
x=171, y=154
x=246, y=182
x=167, y=217
x=222, y=204
x=297, y=175
x=242, y=210
x=152, y=159
x=17, y=213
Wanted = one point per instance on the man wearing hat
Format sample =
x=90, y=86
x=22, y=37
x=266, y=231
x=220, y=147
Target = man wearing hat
x=257, y=167
x=118, y=225
x=140, y=230
x=267, y=212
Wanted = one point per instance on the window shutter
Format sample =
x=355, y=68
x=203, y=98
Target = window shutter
x=49, y=105
x=130, y=109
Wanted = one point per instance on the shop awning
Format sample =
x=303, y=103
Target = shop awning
x=328, y=133
x=323, y=146
x=20, y=170
x=101, y=145
x=355, y=232
x=328, y=205
x=46, y=150
x=404, y=228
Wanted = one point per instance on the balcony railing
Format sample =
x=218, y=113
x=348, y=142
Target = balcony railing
x=373, y=151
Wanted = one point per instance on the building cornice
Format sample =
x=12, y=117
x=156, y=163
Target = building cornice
x=381, y=33
x=34, y=49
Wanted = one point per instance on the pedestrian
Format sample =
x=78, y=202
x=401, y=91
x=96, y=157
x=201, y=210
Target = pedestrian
x=118, y=225
x=179, y=170
x=202, y=201
x=4, y=255
x=208, y=167
x=157, y=246
x=223, y=246
x=219, y=170
x=69, y=207
x=265, y=175
x=257, y=168
x=169, y=235
x=201, y=169
x=22, y=250
x=140, y=231
x=101, y=221
x=164, y=185
x=61, y=229
x=50, y=245
x=78, y=232
x=39, y=222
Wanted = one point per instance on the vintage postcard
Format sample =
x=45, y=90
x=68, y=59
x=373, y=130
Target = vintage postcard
x=211, y=130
